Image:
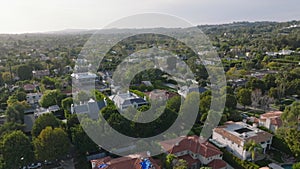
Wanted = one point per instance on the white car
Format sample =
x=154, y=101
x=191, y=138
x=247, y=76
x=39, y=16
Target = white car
x=34, y=165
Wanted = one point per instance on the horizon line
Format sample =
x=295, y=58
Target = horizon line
x=97, y=29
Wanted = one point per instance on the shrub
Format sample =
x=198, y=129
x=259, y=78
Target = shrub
x=237, y=163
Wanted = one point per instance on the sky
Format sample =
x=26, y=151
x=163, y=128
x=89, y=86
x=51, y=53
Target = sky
x=27, y=16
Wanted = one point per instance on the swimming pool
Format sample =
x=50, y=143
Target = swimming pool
x=287, y=166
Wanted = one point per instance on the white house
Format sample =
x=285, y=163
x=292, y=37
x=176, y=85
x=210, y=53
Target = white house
x=234, y=135
x=86, y=78
x=125, y=100
x=196, y=152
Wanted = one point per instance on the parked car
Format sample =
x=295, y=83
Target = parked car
x=46, y=162
x=34, y=165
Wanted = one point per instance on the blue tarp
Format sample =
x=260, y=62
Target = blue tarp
x=102, y=165
x=146, y=164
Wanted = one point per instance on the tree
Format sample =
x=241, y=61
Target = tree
x=269, y=80
x=42, y=122
x=48, y=82
x=15, y=112
x=181, y=164
x=17, y=150
x=289, y=131
x=255, y=83
x=174, y=103
x=9, y=127
x=82, y=141
x=230, y=101
x=169, y=160
x=252, y=146
x=21, y=96
x=24, y=72
x=7, y=77
x=244, y=97
x=50, y=98
x=66, y=104
x=296, y=166
x=292, y=138
x=51, y=144
x=256, y=97
x=291, y=115
x=205, y=102
x=82, y=97
x=273, y=93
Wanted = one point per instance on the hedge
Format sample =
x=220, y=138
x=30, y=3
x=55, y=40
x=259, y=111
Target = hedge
x=237, y=163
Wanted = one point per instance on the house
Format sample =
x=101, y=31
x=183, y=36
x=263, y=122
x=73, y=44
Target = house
x=234, y=135
x=29, y=87
x=125, y=100
x=196, y=152
x=53, y=108
x=237, y=82
x=134, y=161
x=91, y=108
x=158, y=95
x=33, y=98
x=185, y=90
x=40, y=73
x=285, y=52
x=84, y=78
x=41, y=110
x=147, y=83
x=271, y=120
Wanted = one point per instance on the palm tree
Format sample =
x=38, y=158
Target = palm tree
x=252, y=146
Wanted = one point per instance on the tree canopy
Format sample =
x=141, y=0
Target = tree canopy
x=51, y=144
x=42, y=122
x=17, y=150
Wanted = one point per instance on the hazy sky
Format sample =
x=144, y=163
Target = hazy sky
x=18, y=16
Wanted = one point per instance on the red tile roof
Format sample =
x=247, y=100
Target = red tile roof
x=189, y=160
x=29, y=87
x=193, y=144
x=127, y=162
x=271, y=114
x=217, y=164
x=274, y=116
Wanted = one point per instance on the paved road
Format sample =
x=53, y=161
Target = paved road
x=67, y=164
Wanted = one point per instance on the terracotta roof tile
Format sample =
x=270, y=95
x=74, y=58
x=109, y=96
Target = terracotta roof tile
x=127, y=162
x=217, y=164
x=271, y=114
x=193, y=144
